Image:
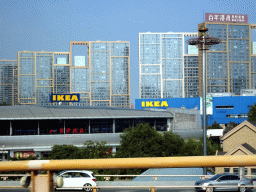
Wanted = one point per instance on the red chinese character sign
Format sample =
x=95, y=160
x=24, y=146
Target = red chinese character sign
x=226, y=18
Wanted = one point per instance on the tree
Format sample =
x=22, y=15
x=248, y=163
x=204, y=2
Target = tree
x=65, y=152
x=215, y=125
x=94, y=150
x=145, y=141
x=252, y=113
x=140, y=141
x=232, y=124
x=195, y=148
x=172, y=144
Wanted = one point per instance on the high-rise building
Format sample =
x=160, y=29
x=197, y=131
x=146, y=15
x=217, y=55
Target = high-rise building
x=99, y=71
x=8, y=82
x=230, y=65
x=167, y=66
x=40, y=74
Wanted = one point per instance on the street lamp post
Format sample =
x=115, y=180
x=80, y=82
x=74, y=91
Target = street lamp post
x=204, y=42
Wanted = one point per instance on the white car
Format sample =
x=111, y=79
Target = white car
x=77, y=179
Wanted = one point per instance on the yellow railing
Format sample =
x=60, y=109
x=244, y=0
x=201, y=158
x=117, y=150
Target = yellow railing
x=122, y=163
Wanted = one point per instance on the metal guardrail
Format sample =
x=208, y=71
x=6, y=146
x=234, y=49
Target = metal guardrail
x=120, y=163
x=152, y=188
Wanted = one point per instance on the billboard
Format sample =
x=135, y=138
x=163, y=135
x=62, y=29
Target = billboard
x=226, y=18
x=24, y=154
x=209, y=109
x=65, y=97
x=192, y=49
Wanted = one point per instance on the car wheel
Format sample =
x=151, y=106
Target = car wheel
x=242, y=188
x=87, y=185
x=210, y=189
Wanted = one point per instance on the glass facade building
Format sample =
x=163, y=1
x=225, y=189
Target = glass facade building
x=98, y=71
x=40, y=74
x=230, y=64
x=8, y=82
x=162, y=72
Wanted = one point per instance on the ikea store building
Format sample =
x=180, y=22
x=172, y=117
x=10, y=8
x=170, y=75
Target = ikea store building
x=220, y=109
x=33, y=130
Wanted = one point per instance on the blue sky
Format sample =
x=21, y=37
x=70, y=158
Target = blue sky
x=49, y=25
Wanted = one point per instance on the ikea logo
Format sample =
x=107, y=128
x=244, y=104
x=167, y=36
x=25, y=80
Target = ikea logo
x=65, y=97
x=154, y=104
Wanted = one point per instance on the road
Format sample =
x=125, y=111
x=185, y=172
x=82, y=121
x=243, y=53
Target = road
x=107, y=190
x=114, y=190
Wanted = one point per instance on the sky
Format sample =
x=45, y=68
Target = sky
x=50, y=25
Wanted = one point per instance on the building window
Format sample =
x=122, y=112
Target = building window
x=253, y=171
x=237, y=116
x=225, y=107
x=236, y=170
x=226, y=170
x=245, y=171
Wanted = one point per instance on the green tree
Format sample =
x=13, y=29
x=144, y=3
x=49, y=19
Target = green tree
x=194, y=147
x=65, y=152
x=145, y=141
x=140, y=141
x=232, y=124
x=252, y=113
x=172, y=144
x=95, y=150
x=215, y=125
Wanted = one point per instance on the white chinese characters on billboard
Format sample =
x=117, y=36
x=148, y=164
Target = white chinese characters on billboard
x=226, y=18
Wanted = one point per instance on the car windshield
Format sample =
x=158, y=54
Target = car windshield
x=215, y=177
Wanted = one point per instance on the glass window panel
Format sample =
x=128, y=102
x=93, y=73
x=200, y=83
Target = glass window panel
x=150, y=69
x=149, y=54
x=80, y=80
x=172, y=69
x=101, y=126
x=150, y=86
x=238, y=50
x=149, y=38
x=238, y=31
x=122, y=124
x=120, y=76
x=119, y=49
x=217, y=30
x=172, y=89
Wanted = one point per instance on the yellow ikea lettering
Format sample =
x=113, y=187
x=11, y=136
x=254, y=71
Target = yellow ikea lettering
x=157, y=104
x=149, y=104
x=154, y=104
x=74, y=98
x=60, y=97
x=54, y=97
x=164, y=104
x=67, y=97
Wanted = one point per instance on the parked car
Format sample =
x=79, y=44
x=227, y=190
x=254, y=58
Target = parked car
x=77, y=179
x=221, y=181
